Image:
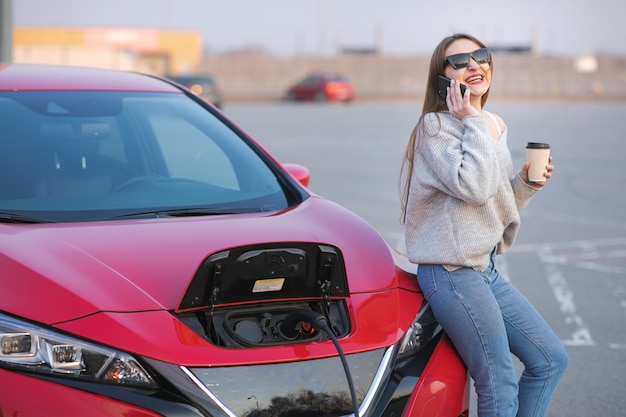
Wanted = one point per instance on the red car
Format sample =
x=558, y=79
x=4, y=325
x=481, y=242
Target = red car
x=322, y=87
x=156, y=261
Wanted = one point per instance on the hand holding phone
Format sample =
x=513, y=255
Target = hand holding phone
x=443, y=83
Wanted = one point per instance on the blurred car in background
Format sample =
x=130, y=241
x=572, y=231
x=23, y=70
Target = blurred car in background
x=202, y=85
x=322, y=87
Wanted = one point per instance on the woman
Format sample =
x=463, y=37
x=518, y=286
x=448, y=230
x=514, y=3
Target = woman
x=461, y=207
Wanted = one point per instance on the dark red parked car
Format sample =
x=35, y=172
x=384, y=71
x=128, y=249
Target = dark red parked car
x=322, y=87
x=156, y=261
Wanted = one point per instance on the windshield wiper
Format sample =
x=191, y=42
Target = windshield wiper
x=6, y=217
x=185, y=212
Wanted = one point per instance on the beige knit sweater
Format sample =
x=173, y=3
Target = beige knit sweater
x=463, y=201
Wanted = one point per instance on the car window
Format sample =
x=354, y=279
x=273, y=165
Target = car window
x=311, y=80
x=189, y=153
x=70, y=156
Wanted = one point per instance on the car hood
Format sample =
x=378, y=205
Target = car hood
x=74, y=270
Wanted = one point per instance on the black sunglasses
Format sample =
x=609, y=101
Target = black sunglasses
x=481, y=56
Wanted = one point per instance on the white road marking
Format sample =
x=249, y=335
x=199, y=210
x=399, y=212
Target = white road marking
x=580, y=335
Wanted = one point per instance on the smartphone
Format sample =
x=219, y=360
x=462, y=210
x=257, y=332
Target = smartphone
x=442, y=85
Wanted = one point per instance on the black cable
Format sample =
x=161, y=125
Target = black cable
x=289, y=329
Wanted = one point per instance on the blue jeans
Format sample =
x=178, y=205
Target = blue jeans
x=487, y=319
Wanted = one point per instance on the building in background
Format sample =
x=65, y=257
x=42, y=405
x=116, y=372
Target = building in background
x=157, y=52
x=255, y=75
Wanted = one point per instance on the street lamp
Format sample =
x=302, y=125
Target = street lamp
x=6, y=31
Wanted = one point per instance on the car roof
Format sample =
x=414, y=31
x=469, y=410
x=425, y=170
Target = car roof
x=16, y=77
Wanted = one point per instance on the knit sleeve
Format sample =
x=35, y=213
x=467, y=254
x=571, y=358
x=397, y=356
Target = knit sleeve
x=462, y=156
x=522, y=191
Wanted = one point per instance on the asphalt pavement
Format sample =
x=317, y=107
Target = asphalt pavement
x=570, y=256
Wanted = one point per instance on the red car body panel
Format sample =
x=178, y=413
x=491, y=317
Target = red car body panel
x=130, y=278
x=161, y=336
x=441, y=391
x=26, y=396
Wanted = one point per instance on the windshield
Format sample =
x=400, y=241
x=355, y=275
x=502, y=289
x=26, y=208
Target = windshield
x=97, y=155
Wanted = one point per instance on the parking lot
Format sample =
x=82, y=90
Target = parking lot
x=570, y=257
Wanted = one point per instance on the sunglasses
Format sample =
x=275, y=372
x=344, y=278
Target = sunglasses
x=481, y=56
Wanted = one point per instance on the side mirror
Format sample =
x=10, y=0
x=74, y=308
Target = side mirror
x=298, y=172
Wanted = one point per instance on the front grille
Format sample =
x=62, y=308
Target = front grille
x=313, y=387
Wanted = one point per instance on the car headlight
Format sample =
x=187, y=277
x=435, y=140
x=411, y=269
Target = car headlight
x=421, y=331
x=27, y=347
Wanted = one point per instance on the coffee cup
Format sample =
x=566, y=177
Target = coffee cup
x=538, y=154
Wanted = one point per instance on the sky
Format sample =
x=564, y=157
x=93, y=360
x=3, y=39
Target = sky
x=402, y=27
